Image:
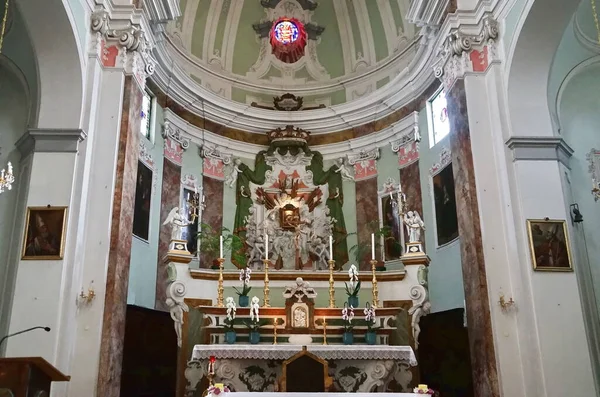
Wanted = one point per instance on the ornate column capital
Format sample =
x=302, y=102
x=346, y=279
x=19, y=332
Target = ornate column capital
x=364, y=163
x=467, y=52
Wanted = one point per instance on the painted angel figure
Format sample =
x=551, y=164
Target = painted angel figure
x=342, y=168
x=178, y=220
x=414, y=226
x=176, y=310
x=233, y=175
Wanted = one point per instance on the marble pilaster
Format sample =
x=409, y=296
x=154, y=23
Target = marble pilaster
x=170, y=197
x=213, y=213
x=481, y=342
x=117, y=279
x=366, y=218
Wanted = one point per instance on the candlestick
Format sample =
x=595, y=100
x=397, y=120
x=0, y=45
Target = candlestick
x=266, y=246
x=266, y=288
x=324, y=332
x=220, y=246
x=373, y=246
x=331, y=284
x=274, y=331
x=330, y=247
x=220, y=288
x=374, y=288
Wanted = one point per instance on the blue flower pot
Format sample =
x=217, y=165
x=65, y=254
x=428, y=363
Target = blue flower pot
x=230, y=337
x=243, y=300
x=254, y=337
x=353, y=301
x=371, y=338
x=348, y=338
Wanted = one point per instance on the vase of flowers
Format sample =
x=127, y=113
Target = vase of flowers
x=353, y=287
x=347, y=316
x=423, y=389
x=255, y=323
x=217, y=389
x=371, y=335
x=230, y=335
x=243, y=298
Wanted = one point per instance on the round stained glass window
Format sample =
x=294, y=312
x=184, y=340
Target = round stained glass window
x=286, y=32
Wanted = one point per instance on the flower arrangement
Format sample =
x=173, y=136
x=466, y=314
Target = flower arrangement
x=423, y=389
x=231, y=309
x=370, y=317
x=347, y=317
x=353, y=286
x=217, y=389
x=245, y=279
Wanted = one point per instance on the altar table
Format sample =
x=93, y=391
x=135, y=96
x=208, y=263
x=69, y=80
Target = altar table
x=256, y=368
x=248, y=394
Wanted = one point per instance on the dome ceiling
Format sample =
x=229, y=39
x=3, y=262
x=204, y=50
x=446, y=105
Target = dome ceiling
x=354, y=48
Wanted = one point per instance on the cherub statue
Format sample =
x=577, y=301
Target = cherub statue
x=254, y=308
x=178, y=220
x=342, y=168
x=233, y=175
x=414, y=226
x=319, y=249
x=176, y=310
x=417, y=312
x=257, y=251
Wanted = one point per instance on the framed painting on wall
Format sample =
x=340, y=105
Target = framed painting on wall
x=446, y=218
x=45, y=229
x=190, y=232
x=549, y=245
x=141, y=207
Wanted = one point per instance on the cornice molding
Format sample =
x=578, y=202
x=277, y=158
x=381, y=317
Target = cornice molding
x=38, y=140
x=206, y=139
x=539, y=148
x=176, y=134
x=213, y=152
x=363, y=155
x=427, y=12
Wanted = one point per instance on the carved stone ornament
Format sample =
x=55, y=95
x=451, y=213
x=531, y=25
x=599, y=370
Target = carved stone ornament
x=175, y=134
x=289, y=133
x=145, y=156
x=421, y=307
x=363, y=155
x=175, y=302
x=405, y=139
x=190, y=181
x=215, y=154
x=445, y=159
x=390, y=185
x=461, y=53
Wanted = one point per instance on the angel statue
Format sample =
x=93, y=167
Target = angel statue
x=342, y=168
x=417, y=312
x=178, y=220
x=176, y=310
x=414, y=226
x=232, y=177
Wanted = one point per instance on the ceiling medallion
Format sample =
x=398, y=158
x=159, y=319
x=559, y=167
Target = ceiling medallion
x=288, y=39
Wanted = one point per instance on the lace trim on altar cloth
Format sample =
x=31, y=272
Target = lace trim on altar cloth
x=326, y=352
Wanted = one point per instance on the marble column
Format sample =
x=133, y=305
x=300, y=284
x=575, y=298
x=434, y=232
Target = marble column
x=170, y=198
x=213, y=213
x=367, y=218
x=117, y=279
x=481, y=341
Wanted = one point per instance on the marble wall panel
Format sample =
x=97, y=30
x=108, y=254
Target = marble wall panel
x=481, y=343
x=213, y=213
x=170, y=197
x=117, y=278
x=410, y=180
x=367, y=218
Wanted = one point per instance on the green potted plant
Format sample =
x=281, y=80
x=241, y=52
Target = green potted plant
x=353, y=287
x=347, y=316
x=243, y=293
x=362, y=251
x=209, y=244
x=370, y=319
x=230, y=335
x=255, y=323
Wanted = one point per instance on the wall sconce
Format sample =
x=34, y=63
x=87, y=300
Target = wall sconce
x=87, y=298
x=506, y=304
x=576, y=216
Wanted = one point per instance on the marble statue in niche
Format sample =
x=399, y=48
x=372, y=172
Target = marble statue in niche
x=414, y=226
x=391, y=220
x=178, y=221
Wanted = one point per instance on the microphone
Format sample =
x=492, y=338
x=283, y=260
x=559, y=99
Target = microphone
x=47, y=329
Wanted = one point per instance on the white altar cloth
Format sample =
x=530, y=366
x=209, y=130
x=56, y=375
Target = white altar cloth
x=282, y=394
x=327, y=352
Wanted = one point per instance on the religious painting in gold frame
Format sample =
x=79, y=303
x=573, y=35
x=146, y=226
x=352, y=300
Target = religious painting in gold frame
x=549, y=245
x=45, y=229
x=289, y=216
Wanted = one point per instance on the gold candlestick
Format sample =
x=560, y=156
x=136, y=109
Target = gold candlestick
x=266, y=289
x=331, y=284
x=375, y=290
x=275, y=331
x=324, y=332
x=220, y=302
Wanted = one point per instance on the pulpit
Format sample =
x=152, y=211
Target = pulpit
x=28, y=376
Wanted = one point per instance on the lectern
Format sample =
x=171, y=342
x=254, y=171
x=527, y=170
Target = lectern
x=28, y=376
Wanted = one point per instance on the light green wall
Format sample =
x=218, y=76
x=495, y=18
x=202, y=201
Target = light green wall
x=144, y=255
x=580, y=119
x=445, y=271
x=349, y=208
x=329, y=50
x=80, y=18
x=199, y=28
x=397, y=14
x=247, y=46
x=382, y=82
x=379, y=39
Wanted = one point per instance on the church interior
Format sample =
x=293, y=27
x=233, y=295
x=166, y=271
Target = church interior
x=257, y=197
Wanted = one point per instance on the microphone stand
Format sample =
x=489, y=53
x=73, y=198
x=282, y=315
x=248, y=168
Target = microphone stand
x=47, y=329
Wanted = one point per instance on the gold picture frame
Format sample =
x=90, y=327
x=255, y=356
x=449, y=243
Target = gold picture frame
x=549, y=245
x=45, y=229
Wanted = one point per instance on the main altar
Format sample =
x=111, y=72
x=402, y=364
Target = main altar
x=290, y=307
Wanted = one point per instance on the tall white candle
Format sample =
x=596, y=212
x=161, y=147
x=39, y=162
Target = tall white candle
x=373, y=246
x=266, y=246
x=221, y=247
x=331, y=247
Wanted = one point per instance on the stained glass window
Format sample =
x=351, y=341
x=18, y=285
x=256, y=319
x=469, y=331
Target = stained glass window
x=439, y=125
x=146, y=115
x=286, y=32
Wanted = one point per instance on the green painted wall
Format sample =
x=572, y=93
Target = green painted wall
x=221, y=26
x=445, y=271
x=199, y=28
x=247, y=45
x=358, y=44
x=349, y=208
x=144, y=254
x=382, y=82
x=381, y=48
x=397, y=14
x=329, y=50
